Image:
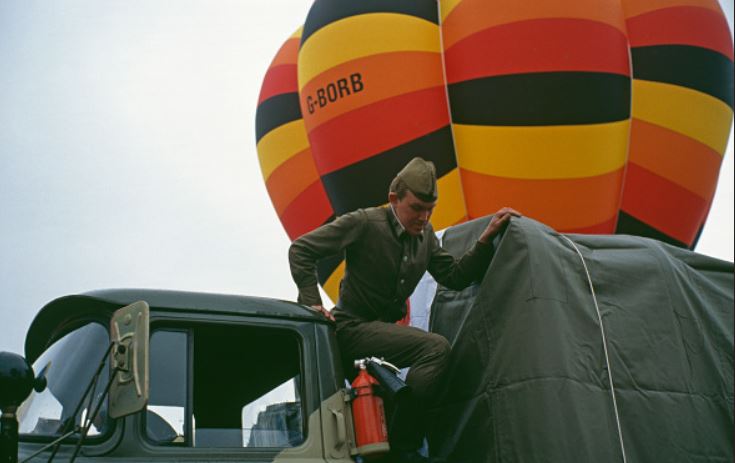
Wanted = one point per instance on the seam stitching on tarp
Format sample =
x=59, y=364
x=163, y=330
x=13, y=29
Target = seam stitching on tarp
x=604, y=347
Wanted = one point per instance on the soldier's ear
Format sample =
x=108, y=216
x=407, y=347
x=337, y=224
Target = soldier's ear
x=393, y=198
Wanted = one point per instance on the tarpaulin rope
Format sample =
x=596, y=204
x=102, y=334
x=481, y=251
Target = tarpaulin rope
x=604, y=346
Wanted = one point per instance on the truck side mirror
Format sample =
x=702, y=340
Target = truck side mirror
x=129, y=359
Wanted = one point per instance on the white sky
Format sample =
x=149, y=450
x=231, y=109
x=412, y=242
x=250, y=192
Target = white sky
x=127, y=151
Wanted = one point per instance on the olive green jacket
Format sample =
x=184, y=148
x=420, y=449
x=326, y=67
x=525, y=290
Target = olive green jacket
x=383, y=263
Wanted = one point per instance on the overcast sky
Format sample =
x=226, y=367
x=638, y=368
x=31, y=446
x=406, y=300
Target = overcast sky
x=127, y=151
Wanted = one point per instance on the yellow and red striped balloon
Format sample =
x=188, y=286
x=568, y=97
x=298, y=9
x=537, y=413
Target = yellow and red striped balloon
x=682, y=55
x=373, y=96
x=283, y=148
x=593, y=116
x=285, y=155
x=540, y=98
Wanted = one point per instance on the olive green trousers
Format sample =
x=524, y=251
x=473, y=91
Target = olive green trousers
x=425, y=353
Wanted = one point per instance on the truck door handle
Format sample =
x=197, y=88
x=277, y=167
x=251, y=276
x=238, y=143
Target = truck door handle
x=341, y=427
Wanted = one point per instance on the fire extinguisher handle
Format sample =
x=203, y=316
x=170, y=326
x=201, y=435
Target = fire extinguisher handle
x=384, y=363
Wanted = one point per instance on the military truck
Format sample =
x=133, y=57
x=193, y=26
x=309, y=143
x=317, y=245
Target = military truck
x=231, y=378
x=571, y=348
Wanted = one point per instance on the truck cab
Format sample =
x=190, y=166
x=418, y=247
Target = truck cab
x=230, y=378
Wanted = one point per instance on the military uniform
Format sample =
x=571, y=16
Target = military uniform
x=384, y=264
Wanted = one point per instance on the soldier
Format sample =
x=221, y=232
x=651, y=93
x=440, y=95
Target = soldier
x=387, y=250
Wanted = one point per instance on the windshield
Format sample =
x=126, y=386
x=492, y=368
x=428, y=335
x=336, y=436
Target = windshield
x=70, y=364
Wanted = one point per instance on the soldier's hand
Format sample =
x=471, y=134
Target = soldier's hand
x=498, y=223
x=324, y=311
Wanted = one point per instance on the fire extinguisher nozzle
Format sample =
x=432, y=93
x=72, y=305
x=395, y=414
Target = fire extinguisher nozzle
x=394, y=387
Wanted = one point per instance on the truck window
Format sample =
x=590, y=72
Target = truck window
x=245, y=388
x=166, y=415
x=70, y=364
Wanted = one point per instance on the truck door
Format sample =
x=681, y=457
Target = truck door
x=246, y=391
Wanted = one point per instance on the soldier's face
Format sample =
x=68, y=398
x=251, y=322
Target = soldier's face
x=413, y=213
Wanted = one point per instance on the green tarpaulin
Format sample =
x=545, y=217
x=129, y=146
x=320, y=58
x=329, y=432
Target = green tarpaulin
x=529, y=380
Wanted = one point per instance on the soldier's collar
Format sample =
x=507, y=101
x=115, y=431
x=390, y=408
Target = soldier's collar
x=398, y=229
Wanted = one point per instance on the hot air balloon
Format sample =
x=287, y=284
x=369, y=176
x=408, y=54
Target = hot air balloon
x=682, y=55
x=591, y=116
x=286, y=159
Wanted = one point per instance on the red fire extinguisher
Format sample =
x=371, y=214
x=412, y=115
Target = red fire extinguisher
x=371, y=431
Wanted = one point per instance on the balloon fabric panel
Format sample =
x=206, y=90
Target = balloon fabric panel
x=528, y=85
x=387, y=76
x=548, y=200
x=550, y=152
x=283, y=149
x=685, y=25
x=633, y=8
x=682, y=57
x=373, y=105
x=694, y=165
x=689, y=112
x=541, y=99
x=540, y=45
x=672, y=208
x=291, y=179
x=469, y=17
x=355, y=185
x=325, y=12
x=378, y=127
x=276, y=111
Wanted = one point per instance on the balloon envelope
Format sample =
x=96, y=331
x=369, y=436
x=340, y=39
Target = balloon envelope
x=593, y=116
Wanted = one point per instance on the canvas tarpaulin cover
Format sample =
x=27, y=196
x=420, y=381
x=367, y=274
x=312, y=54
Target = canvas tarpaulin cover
x=529, y=380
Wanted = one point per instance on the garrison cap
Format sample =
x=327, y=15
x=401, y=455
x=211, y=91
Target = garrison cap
x=420, y=177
